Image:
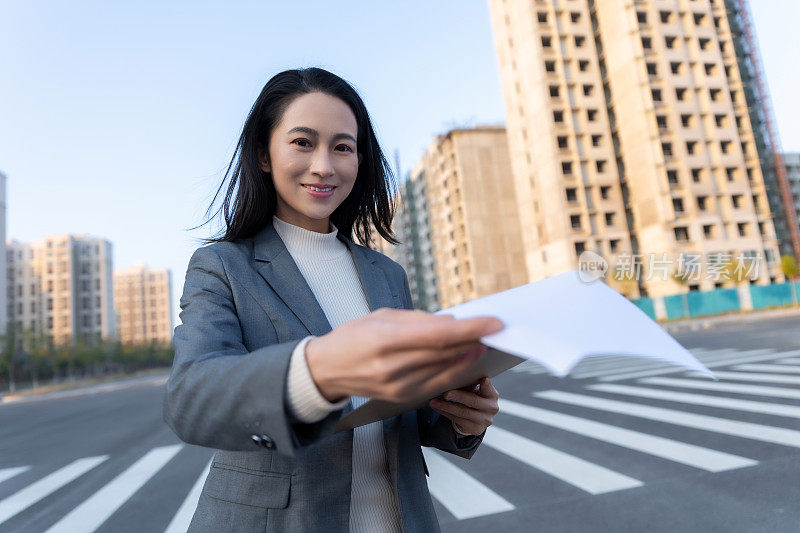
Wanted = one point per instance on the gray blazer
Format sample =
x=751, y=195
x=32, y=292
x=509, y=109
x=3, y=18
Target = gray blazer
x=245, y=306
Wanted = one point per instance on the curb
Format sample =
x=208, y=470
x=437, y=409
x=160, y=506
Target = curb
x=698, y=324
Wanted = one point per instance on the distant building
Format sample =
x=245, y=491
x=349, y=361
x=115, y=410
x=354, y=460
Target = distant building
x=475, y=231
x=792, y=162
x=3, y=266
x=632, y=133
x=61, y=287
x=142, y=298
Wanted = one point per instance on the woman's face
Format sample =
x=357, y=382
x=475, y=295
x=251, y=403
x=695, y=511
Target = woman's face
x=314, y=144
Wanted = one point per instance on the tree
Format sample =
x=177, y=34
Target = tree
x=789, y=266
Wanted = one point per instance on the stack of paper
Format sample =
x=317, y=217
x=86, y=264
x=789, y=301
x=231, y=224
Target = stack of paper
x=555, y=322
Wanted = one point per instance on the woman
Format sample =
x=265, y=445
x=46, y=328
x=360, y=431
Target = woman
x=287, y=324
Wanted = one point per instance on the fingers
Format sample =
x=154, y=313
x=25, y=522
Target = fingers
x=487, y=390
x=441, y=331
x=469, y=420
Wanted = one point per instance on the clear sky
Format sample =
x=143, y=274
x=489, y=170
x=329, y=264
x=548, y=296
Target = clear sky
x=117, y=119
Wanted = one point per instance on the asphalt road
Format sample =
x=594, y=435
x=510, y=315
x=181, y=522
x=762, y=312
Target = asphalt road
x=621, y=445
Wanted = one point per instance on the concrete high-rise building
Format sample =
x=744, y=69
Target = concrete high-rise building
x=630, y=136
x=3, y=266
x=474, y=226
x=142, y=298
x=415, y=252
x=61, y=287
x=792, y=163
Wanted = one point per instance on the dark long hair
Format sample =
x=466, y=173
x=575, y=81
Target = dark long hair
x=251, y=200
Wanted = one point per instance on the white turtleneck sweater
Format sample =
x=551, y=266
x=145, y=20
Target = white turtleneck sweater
x=330, y=272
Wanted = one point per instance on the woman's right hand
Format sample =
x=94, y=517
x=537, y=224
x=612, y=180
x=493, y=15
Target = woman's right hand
x=396, y=354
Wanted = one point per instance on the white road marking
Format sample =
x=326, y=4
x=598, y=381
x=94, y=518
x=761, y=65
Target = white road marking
x=780, y=369
x=91, y=514
x=688, y=454
x=747, y=430
x=34, y=492
x=8, y=473
x=777, y=409
x=180, y=522
x=715, y=386
x=587, y=476
x=461, y=494
x=752, y=376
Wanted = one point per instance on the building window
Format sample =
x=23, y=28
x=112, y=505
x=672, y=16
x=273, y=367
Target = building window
x=566, y=168
x=575, y=221
x=651, y=69
x=550, y=66
x=661, y=122
x=596, y=140
x=562, y=142
x=672, y=177
x=730, y=172
x=613, y=245
x=647, y=43
x=641, y=17
x=580, y=40
x=656, y=95
x=680, y=93
x=583, y=65
x=703, y=43
x=690, y=147
x=677, y=205
x=699, y=19
x=591, y=115
x=714, y=94
x=604, y=191
x=725, y=146
x=547, y=41
x=675, y=67
x=587, y=90
x=580, y=246
x=542, y=17
x=558, y=116
x=736, y=200
x=702, y=203
x=666, y=17
x=574, y=17
x=721, y=121
x=554, y=91
x=609, y=219
x=601, y=166
x=697, y=175
x=667, y=149
x=711, y=69
x=669, y=41
x=681, y=233
x=686, y=121
x=742, y=229
x=572, y=195
x=708, y=231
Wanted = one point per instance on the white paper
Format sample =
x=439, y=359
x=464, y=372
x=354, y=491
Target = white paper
x=560, y=320
x=556, y=322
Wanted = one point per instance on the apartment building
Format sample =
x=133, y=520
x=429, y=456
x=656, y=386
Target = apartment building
x=475, y=232
x=61, y=287
x=142, y=298
x=630, y=136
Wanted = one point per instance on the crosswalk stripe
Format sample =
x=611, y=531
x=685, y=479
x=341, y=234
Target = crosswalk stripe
x=688, y=454
x=715, y=386
x=587, y=476
x=752, y=376
x=598, y=366
x=710, y=364
x=776, y=435
x=701, y=399
x=790, y=361
x=779, y=369
x=19, y=501
x=461, y=494
x=180, y=522
x=8, y=473
x=91, y=514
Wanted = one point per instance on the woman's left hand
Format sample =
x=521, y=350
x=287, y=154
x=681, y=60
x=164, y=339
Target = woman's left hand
x=470, y=411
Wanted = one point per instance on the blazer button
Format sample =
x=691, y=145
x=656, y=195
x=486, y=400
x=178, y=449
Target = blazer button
x=267, y=442
x=256, y=439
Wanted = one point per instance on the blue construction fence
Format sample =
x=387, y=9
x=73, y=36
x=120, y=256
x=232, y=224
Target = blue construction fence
x=719, y=301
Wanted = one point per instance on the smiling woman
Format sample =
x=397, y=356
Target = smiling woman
x=287, y=324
